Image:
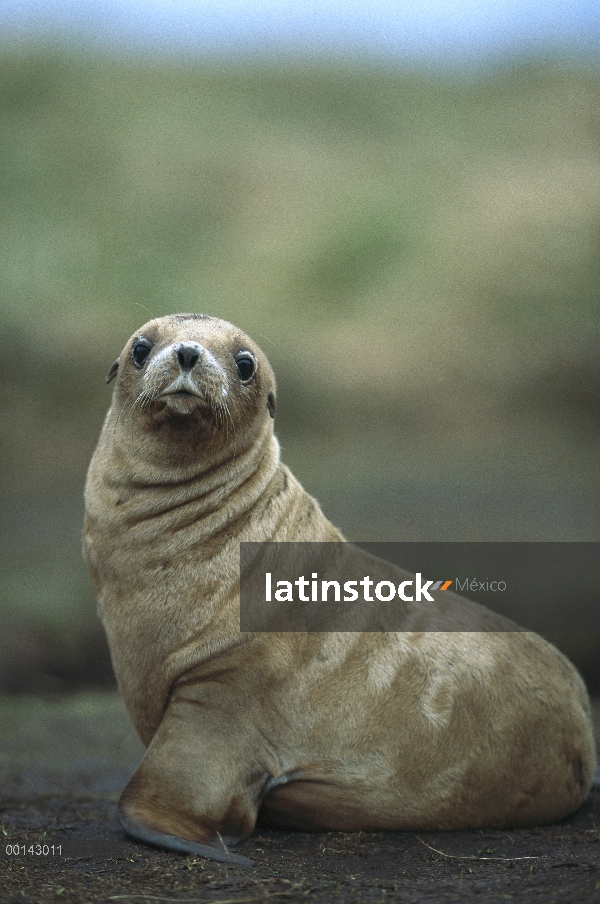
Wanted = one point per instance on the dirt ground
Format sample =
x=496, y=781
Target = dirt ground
x=63, y=762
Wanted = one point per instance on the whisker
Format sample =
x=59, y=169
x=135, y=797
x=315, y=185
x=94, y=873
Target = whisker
x=137, y=303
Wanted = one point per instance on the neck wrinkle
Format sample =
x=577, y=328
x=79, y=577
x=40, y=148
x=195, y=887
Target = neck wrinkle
x=197, y=494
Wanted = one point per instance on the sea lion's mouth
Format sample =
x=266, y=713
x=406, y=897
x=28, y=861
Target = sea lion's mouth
x=187, y=395
x=185, y=402
x=181, y=393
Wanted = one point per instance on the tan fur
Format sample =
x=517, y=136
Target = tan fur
x=354, y=731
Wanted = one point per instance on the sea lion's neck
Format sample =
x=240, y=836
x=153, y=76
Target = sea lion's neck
x=141, y=489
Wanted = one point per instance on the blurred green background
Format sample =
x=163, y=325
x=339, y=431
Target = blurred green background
x=416, y=251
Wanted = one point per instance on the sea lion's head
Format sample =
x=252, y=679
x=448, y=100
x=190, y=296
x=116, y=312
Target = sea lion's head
x=195, y=385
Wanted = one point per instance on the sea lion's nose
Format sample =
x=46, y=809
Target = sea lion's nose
x=188, y=355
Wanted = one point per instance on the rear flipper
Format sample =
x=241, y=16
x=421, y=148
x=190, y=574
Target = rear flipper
x=200, y=784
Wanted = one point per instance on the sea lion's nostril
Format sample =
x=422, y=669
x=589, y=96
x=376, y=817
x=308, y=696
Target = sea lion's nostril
x=188, y=356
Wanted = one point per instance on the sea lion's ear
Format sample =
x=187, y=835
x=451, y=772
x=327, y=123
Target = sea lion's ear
x=271, y=403
x=113, y=371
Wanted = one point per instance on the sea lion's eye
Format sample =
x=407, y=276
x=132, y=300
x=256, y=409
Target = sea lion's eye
x=245, y=367
x=140, y=352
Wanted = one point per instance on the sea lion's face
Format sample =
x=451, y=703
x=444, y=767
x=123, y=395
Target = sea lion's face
x=194, y=382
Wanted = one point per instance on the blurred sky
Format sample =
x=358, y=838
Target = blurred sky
x=444, y=29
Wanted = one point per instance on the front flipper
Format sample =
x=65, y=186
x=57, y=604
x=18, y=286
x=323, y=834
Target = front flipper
x=142, y=832
x=200, y=784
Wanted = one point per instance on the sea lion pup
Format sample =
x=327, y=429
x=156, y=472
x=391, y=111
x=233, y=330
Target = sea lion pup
x=424, y=729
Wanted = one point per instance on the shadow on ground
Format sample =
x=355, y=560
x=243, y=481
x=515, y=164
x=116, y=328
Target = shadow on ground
x=64, y=761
